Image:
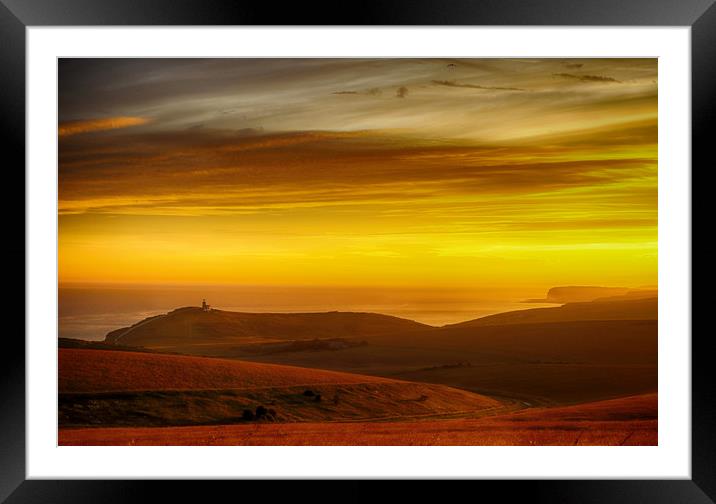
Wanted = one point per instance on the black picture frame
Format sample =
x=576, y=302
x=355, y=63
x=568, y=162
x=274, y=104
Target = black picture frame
x=16, y=15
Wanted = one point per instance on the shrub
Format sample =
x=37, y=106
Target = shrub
x=260, y=412
x=247, y=415
x=317, y=398
x=308, y=393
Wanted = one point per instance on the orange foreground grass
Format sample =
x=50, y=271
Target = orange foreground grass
x=627, y=421
x=105, y=371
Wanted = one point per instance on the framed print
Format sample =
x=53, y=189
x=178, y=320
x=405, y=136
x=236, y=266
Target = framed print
x=417, y=242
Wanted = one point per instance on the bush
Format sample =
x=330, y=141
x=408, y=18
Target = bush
x=247, y=415
x=260, y=412
x=309, y=393
x=317, y=398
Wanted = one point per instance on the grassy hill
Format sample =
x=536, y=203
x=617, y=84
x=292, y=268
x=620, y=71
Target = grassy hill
x=562, y=355
x=188, y=327
x=111, y=371
x=117, y=388
x=547, y=363
x=628, y=309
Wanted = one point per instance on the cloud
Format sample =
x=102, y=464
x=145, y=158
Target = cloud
x=370, y=92
x=401, y=92
x=298, y=94
x=210, y=171
x=587, y=78
x=474, y=86
x=87, y=126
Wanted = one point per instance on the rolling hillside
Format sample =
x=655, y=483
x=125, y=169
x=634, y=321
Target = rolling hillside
x=548, y=363
x=111, y=371
x=191, y=326
x=630, y=309
x=562, y=355
x=101, y=387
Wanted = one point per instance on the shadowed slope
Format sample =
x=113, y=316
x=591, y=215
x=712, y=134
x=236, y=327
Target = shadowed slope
x=547, y=363
x=636, y=309
x=584, y=341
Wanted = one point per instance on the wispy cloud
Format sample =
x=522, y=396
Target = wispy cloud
x=335, y=94
x=87, y=126
x=369, y=92
x=201, y=170
x=587, y=78
x=474, y=86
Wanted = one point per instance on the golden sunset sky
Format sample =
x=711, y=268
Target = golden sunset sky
x=343, y=172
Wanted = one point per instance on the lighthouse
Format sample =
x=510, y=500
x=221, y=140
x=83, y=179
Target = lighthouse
x=204, y=306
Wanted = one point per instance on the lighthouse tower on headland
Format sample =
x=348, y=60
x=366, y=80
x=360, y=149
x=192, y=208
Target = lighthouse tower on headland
x=204, y=306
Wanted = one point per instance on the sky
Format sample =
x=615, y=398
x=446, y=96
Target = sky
x=406, y=173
